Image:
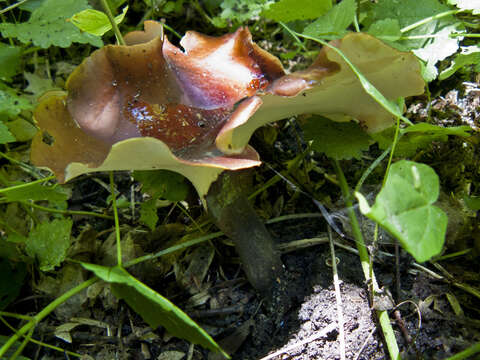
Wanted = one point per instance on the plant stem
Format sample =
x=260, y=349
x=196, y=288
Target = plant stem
x=37, y=342
x=369, y=170
x=16, y=187
x=174, y=248
x=428, y=19
x=45, y=312
x=466, y=354
x=65, y=212
x=117, y=224
x=383, y=317
x=13, y=6
x=115, y=28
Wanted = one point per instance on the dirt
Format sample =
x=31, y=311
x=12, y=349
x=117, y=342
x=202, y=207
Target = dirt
x=300, y=323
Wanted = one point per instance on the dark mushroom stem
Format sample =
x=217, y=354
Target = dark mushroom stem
x=234, y=215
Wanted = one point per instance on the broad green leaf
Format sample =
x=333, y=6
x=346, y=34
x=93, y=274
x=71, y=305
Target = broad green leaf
x=31, y=5
x=290, y=10
x=95, y=22
x=114, y=4
x=11, y=281
x=48, y=242
x=386, y=30
x=431, y=40
x=418, y=136
x=426, y=128
x=22, y=129
x=153, y=307
x=148, y=213
x=470, y=55
x=5, y=135
x=9, y=60
x=472, y=202
x=334, y=23
x=163, y=184
x=35, y=192
x=48, y=25
x=241, y=10
x=10, y=103
x=336, y=139
x=405, y=208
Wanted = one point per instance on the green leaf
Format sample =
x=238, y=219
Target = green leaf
x=472, y=202
x=148, y=213
x=387, y=30
x=48, y=25
x=9, y=60
x=470, y=55
x=10, y=103
x=343, y=140
x=418, y=136
x=5, y=135
x=11, y=281
x=38, y=85
x=22, y=129
x=153, y=307
x=49, y=242
x=35, y=192
x=241, y=10
x=334, y=23
x=163, y=184
x=404, y=208
x=31, y=5
x=290, y=10
x=431, y=40
x=95, y=22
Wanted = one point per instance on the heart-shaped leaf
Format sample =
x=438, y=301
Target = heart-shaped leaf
x=405, y=208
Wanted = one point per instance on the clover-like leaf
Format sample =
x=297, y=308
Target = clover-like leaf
x=330, y=88
x=405, y=208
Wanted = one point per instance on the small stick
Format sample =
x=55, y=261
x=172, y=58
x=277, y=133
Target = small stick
x=318, y=335
x=338, y=297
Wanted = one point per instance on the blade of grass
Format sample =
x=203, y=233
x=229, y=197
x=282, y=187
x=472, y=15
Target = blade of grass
x=383, y=317
x=117, y=223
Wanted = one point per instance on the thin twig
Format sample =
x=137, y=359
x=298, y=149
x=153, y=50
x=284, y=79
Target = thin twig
x=338, y=297
x=117, y=224
x=364, y=344
x=318, y=335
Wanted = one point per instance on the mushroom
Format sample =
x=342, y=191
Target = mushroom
x=150, y=105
